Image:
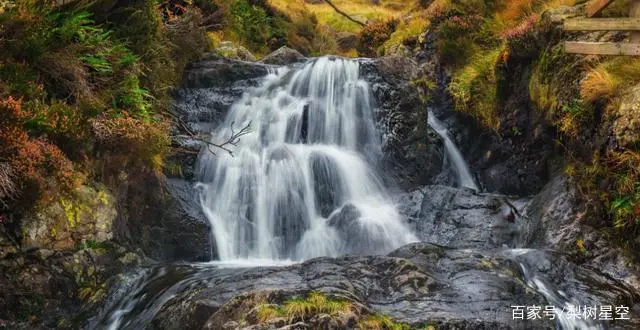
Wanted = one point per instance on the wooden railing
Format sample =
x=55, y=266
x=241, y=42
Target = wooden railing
x=594, y=8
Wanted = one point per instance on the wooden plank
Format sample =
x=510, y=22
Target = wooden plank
x=602, y=48
x=602, y=24
x=595, y=7
x=635, y=13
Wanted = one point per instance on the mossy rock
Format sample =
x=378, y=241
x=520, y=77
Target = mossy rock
x=626, y=127
x=63, y=223
x=228, y=50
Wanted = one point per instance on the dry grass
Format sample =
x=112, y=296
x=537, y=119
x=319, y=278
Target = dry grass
x=473, y=87
x=361, y=10
x=609, y=80
x=380, y=322
x=598, y=85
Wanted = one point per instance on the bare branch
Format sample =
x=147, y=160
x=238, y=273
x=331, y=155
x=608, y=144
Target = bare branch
x=343, y=13
x=233, y=139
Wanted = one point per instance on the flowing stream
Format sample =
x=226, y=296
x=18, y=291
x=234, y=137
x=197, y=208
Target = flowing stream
x=465, y=179
x=313, y=150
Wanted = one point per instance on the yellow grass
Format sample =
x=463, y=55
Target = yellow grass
x=598, y=85
x=361, y=10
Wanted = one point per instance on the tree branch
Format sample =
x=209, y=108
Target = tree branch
x=343, y=13
x=233, y=139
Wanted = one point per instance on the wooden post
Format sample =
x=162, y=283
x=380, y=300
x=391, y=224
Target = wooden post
x=635, y=12
x=594, y=7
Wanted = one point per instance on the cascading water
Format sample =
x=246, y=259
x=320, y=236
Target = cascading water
x=465, y=179
x=312, y=151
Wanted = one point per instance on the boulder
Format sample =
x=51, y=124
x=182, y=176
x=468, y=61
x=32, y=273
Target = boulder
x=44, y=289
x=87, y=215
x=283, y=56
x=347, y=40
x=228, y=50
x=213, y=71
x=558, y=219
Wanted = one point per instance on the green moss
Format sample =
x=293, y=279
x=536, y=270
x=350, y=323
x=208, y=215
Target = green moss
x=412, y=28
x=379, y=322
x=474, y=87
x=299, y=308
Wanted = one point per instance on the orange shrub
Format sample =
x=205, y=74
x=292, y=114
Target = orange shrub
x=32, y=161
x=374, y=35
x=133, y=142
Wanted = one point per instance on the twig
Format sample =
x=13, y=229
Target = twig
x=233, y=139
x=343, y=13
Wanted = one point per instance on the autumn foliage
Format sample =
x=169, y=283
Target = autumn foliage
x=29, y=162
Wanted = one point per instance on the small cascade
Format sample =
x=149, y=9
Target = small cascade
x=554, y=297
x=465, y=179
x=312, y=151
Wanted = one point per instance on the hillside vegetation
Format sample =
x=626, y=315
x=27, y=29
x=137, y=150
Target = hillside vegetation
x=487, y=46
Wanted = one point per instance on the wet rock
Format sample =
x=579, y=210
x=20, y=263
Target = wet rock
x=283, y=56
x=165, y=220
x=459, y=218
x=209, y=88
x=214, y=71
x=413, y=151
x=416, y=284
x=557, y=219
x=229, y=50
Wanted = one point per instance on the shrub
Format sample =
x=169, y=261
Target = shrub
x=405, y=31
x=610, y=79
x=132, y=142
x=33, y=162
x=598, y=85
x=374, y=35
x=251, y=23
x=521, y=39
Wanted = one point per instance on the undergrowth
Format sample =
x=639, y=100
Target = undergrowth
x=83, y=91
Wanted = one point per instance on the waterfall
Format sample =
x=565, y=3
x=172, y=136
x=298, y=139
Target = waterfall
x=459, y=165
x=311, y=156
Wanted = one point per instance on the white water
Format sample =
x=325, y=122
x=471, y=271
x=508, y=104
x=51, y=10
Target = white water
x=554, y=297
x=312, y=150
x=465, y=179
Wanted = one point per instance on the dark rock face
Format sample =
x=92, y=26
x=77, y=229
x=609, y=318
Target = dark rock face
x=516, y=162
x=47, y=289
x=413, y=151
x=283, y=56
x=215, y=71
x=556, y=218
x=460, y=218
x=164, y=219
x=210, y=86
